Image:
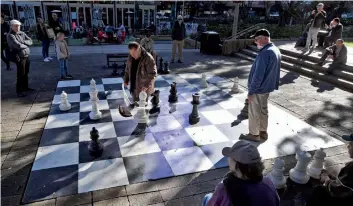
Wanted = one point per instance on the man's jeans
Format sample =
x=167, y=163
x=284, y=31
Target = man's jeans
x=258, y=114
x=45, y=48
x=206, y=199
x=312, y=35
x=63, y=67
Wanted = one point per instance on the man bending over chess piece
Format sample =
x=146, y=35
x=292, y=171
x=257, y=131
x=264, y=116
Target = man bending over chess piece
x=244, y=184
x=336, y=190
x=337, y=52
x=140, y=74
x=148, y=44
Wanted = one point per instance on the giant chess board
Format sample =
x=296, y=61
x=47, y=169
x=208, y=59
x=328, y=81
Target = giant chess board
x=170, y=147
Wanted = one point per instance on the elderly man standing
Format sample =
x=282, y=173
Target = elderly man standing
x=263, y=79
x=19, y=43
x=318, y=21
x=178, y=36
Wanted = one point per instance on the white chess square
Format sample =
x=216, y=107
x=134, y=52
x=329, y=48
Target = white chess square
x=165, y=123
x=112, y=80
x=87, y=88
x=70, y=97
x=204, y=135
x=106, y=131
x=231, y=103
x=56, y=156
x=101, y=174
x=190, y=76
x=219, y=116
x=132, y=145
x=187, y=160
x=117, y=94
x=69, y=83
x=62, y=120
x=160, y=78
x=86, y=106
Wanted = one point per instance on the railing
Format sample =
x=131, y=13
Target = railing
x=246, y=31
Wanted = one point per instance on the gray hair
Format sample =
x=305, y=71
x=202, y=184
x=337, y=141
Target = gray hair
x=320, y=5
x=15, y=22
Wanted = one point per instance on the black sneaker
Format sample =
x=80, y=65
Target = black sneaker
x=21, y=94
x=69, y=76
x=179, y=61
x=172, y=61
x=8, y=67
x=62, y=78
x=320, y=63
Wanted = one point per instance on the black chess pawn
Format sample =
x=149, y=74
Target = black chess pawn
x=155, y=104
x=95, y=148
x=194, y=117
x=245, y=111
x=160, y=66
x=173, y=97
x=115, y=70
x=166, y=68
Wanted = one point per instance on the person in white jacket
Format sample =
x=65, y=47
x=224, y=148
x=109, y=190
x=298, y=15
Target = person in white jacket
x=62, y=52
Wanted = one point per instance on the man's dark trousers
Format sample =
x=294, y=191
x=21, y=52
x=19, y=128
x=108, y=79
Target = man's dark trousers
x=22, y=74
x=333, y=65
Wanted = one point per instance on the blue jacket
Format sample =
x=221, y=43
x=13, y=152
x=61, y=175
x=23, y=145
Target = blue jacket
x=264, y=74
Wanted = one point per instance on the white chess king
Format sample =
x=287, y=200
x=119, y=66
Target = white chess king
x=95, y=113
x=64, y=104
x=141, y=115
x=315, y=168
x=299, y=174
x=276, y=175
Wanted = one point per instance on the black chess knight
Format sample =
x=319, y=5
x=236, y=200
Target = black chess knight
x=155, y=110
x=166, y=68
x=95, y=148
x=160, y=66
x=173, y=96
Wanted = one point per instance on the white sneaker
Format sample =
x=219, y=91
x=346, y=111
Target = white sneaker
x=49, y=58
x=46, y=60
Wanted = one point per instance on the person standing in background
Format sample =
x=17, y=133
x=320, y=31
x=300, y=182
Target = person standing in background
x=43, y=37
x=56, y=24
x=178, y=36
x=318, y=21
x=62, y=52
x=4, y=47
x=335, y=32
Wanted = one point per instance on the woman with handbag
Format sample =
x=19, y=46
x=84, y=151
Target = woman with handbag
x=44, y=38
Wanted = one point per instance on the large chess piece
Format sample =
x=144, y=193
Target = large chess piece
x=276, y=175
x=160, y=66
x=156, y=108
x=64, y=104
x=245, y=111
x=299, y=174
x=204, y=81
x=173, y=97
x=141, y=116
x=235, y=88
x=194, y=117
x=315, y=168
x=95, y=113
x=95, y=147
x=166, y=68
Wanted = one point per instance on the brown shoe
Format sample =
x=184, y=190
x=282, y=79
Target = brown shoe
x=263, y=135
x=250, y=137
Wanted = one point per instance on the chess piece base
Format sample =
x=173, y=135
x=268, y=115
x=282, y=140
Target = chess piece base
x=172, y=99
x=140, y=130
x=278, y=182
x=314, y=172
x=154, y=111
x=95, y=149
x=64, y=107
x=299, y=177
x=95, y=116
x=194, y=119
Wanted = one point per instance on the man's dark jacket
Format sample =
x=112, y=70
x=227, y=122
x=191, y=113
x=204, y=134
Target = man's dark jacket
x=56, y=26
x=179, y=31
x=319, y=19
x=342, y=57
x=336, y=32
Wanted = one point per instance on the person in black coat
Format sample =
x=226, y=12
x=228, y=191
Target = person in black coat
x=4, y=47
x=178, y=36
x=335, y=32
x=43, y=37
x=56, y=24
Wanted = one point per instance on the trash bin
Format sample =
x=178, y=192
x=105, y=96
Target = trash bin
x=210, y=43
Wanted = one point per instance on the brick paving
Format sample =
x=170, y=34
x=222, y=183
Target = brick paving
x=318, y=103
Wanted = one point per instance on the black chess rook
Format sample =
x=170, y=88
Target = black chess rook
x=95, y=147
x=194, y=117
x=173, y=97
x=160, y=66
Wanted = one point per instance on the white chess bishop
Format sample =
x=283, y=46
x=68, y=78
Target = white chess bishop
x=315, y=168
x=204, y=81
x=64, y=104
x=299, y=174
x=141, y=115
x=276, y=175
x=95, y=113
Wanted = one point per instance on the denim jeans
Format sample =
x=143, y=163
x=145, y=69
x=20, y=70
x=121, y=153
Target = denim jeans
x=45, y=48
x=63, y=67
x=206, y=199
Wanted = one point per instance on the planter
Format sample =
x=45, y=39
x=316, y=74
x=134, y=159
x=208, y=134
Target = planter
x=190, y=44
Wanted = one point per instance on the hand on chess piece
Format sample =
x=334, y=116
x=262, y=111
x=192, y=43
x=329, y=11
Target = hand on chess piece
x=324, y=177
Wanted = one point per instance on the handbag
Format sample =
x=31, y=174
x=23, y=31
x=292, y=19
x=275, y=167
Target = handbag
x=51, y=33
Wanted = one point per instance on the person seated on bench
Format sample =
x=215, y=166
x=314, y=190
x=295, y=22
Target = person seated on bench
x=335, y=32
x=148, y=44
x=336, y=190
x=244, y=184
x=337, y=52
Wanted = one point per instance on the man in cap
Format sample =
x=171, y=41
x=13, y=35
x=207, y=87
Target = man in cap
x=178, y=36
x=244, y=184
x=19, y=43
x=263, y=79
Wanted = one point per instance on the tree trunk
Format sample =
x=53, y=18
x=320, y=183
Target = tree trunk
x=235, y=20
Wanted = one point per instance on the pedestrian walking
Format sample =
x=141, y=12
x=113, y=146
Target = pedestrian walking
x=263, y=79
x=62, y=52
x=19, y=43
x=4, y=47
x=44, y=38
x=178, y=36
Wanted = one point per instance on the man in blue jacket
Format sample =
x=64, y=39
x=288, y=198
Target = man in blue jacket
x=263, y=79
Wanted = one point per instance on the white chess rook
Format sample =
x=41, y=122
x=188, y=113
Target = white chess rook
x=95, y=113
x=235, y=88
x=204, y=81
x=141, y=115
x=316, y=166
x=64, y=104
x=276, y=175
x=299, y=174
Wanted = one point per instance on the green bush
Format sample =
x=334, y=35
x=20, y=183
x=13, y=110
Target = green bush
x=277, y=32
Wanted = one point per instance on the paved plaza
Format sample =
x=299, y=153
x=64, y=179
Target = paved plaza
x=320, y=113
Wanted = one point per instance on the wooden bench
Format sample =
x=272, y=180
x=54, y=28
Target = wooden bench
x=116, y=58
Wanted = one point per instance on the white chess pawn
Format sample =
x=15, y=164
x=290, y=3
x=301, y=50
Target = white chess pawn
x=64, y=104
x=299, y=174
x=235, y=88
x=141, y=115
x=276, y=175
x=93, y=85
x=204, y=81
x=316, y=166
x=95, y=113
